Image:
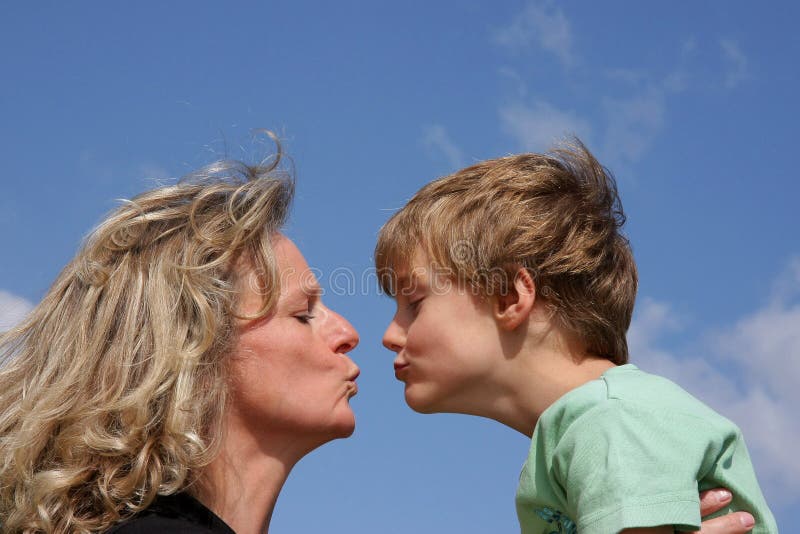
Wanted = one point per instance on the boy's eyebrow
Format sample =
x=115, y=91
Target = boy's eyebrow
x=407, y=283
x=403, y=281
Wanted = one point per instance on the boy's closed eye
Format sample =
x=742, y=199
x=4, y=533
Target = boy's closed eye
x=415, y=304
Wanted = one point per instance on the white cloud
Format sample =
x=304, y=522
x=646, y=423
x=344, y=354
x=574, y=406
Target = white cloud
x=635, y=109
x=436, y=139
x=518, y=86
x=12, y=309
x=632, y=124
x=766, y=343
x=537, y=126
x=787, y=286
x=737, y=63
x=689, y=45
x=153, y=173
x=748, y=373
x=95, y=168
x=627, y=76
x=541, y=24
x=676, y=81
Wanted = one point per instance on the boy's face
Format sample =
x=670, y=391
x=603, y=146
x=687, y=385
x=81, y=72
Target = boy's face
x=446, y=340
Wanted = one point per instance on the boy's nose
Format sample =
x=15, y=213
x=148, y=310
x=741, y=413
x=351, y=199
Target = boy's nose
x=394, y=338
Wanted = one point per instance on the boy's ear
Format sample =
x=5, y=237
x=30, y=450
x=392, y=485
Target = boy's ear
x=514, y=307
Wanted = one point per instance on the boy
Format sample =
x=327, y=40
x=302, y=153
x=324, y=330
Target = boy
x=514, y=290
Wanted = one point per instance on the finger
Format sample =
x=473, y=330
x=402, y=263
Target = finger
x=735, y=523
x=713, y=500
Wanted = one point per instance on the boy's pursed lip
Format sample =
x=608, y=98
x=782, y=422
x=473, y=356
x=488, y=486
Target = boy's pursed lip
x=400, y=370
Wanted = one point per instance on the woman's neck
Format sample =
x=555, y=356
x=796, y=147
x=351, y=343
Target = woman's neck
x=242, y=484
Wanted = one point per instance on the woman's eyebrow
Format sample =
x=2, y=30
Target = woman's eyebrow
x=307, y=291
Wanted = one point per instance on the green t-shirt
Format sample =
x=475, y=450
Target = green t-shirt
x=628, y=450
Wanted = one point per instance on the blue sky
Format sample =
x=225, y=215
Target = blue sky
x=692, y=105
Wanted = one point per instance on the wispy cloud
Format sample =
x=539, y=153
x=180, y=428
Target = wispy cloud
x=786, y=287
x=632, y=125
x=153, y=172
x=96, y=168
x=537, y=125
x=634, y=104
x=12, y=309
x=540, y=24
x=514, y=81
x=629, y=124
x=436, y=139
x=748, y=373
x=736, y=63
x=634, y=119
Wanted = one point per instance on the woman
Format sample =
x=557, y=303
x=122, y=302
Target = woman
x=184, y=350
x=178, y=368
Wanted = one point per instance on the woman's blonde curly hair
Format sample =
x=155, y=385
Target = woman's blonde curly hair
x=113, y=388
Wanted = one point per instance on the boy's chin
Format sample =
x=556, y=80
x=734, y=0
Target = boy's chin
x=421, y=403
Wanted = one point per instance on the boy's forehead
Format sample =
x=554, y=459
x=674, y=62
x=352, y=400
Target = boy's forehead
x=415, y=265
x=411, y=276
x=423, y=273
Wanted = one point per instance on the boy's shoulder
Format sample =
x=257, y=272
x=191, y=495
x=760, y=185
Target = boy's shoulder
x=637, y=389
x=626, y=391
x=609, y=440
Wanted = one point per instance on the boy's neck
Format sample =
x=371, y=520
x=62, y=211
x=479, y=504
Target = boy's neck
x=536, y=381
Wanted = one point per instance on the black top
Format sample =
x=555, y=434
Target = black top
x=181, y=514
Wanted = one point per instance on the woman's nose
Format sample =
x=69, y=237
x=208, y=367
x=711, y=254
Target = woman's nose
x=346, y=337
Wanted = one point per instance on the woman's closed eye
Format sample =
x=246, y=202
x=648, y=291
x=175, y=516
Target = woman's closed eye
x=304, y=318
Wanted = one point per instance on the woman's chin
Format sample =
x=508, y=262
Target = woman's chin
x=344, y=426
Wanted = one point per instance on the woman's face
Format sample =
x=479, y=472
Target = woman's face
x=290, y=372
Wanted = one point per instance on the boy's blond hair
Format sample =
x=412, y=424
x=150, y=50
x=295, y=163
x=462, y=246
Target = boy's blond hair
x=556, y=214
